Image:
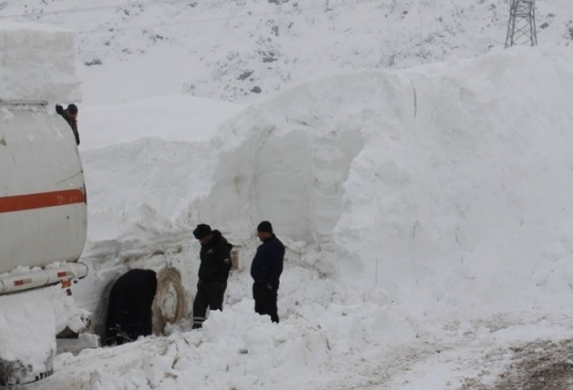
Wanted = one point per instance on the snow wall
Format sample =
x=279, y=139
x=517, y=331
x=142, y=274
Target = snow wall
x=443, y=186
x=46, y=55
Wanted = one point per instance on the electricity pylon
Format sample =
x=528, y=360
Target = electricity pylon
x=521, y=28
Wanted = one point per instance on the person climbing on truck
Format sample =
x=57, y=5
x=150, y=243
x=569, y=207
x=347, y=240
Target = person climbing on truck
x=70, y=114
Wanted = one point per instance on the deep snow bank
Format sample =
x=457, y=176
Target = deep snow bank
x=37, y=63
x=159, y=146
x=448, y=184
x=468, y=202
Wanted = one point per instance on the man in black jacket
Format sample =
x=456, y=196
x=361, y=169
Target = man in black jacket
x=213, y=272
x=266, y=270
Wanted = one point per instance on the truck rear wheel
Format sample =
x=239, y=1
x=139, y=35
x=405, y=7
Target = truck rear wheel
x=170, y=304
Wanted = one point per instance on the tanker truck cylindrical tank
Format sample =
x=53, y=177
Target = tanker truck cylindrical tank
x=43, y=211
x=43, y=224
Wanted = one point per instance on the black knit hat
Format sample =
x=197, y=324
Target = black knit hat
x=265, y=226
x=202, y=231
x=72, y=109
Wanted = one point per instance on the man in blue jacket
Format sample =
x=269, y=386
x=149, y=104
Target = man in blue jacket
x=266, y=270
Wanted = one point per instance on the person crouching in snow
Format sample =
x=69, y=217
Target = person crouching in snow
x=215, y=256
x=129, y=313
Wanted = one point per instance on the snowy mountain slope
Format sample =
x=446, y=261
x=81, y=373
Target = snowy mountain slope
x=242, y=50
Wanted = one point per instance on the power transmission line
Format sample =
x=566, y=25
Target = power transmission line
x=195, y=21
x=185, y=22
x=156, y=2
x=94, y=8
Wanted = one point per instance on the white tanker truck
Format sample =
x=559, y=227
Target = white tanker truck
x=43, y=216
x=43, y=211
x=43, y=207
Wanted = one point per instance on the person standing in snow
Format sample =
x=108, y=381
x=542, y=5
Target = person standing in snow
x=214, y=270
x=70, y=114
x=266, y=270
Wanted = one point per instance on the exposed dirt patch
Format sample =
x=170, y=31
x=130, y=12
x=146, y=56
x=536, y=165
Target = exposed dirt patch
x=542, y=365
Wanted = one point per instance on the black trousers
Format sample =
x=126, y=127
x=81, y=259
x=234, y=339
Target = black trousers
x=265, y=300
x=209, y=295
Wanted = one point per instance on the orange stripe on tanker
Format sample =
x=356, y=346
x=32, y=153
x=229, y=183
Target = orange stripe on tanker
x=41, y=200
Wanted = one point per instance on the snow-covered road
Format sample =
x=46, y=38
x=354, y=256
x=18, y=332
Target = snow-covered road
x=503, y=359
